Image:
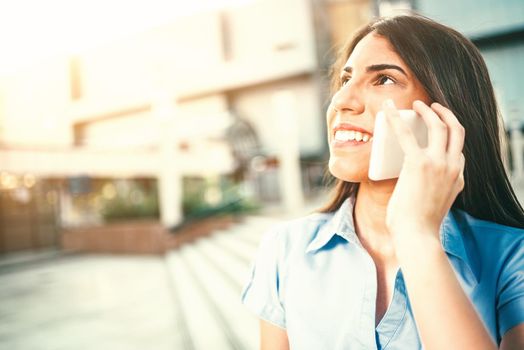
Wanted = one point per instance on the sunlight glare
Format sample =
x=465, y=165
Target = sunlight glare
x=35, y=30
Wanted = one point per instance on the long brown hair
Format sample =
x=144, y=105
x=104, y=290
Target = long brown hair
x=454, y=74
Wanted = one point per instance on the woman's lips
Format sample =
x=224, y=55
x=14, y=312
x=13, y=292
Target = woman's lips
x=345, y=134
x=353, y=143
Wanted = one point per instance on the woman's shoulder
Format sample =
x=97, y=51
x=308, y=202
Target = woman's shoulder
x=487, y=229
x=486, y=239
x=295, y=233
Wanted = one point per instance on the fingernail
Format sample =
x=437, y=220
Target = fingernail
x=389, y=103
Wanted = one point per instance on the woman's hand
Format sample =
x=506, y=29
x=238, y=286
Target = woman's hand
x=430, y=180
x=431, y=177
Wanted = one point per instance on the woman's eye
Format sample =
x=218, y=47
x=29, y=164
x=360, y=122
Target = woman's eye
x=385, y=80
x=344, y=80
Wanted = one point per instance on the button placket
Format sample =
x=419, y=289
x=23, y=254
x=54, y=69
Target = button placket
x=394, y=315
x=367, y=312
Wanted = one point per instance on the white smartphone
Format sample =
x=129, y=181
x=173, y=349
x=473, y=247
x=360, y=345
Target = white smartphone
x=387, y=156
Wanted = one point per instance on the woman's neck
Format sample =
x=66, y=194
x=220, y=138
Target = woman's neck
x=370, y=217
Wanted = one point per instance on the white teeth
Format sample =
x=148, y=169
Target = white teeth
x=350, y=135
x=342, y=135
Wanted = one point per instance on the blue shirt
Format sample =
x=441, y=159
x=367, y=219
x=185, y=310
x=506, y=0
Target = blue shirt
x=313, y=278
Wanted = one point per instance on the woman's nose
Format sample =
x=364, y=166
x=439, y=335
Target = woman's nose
x=348, y=98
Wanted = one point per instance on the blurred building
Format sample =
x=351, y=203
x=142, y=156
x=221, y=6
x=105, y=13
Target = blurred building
x=161, y=104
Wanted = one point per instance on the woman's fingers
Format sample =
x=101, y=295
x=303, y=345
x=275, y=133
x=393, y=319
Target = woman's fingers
x=445, y=134
x=456, y=132
x=405, y=136
x=458, y=177
x=437, y=128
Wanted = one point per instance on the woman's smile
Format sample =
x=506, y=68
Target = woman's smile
x=349, y=135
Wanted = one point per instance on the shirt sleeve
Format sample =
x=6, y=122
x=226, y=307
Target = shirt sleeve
x=510, y=301
x=261, y=292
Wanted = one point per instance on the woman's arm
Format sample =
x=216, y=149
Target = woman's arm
x=513, y=339
x=272, y=337
x=430, y=180
x=445, y=316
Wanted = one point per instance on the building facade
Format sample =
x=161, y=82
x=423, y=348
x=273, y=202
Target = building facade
x=158, y=104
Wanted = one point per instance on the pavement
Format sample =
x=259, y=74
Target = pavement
x=88, y=302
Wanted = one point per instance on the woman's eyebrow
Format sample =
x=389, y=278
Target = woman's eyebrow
x=377, y=67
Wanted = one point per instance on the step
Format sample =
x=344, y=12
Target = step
x=237, y=270
x=249, y=234
x=240, y=249
x=202, y=324
x=239, y=324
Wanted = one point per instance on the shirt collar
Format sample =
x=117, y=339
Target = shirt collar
x=452, y=233
x=341, y=224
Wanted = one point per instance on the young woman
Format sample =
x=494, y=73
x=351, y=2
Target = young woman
x=433, y=258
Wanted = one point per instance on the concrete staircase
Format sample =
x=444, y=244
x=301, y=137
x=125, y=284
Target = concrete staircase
x=207, y=277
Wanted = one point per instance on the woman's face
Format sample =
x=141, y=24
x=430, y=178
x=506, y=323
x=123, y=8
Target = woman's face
x=373, y=73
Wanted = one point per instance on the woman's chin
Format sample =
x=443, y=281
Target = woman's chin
x=348, y=173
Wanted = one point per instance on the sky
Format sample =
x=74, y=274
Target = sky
x=34, y=30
